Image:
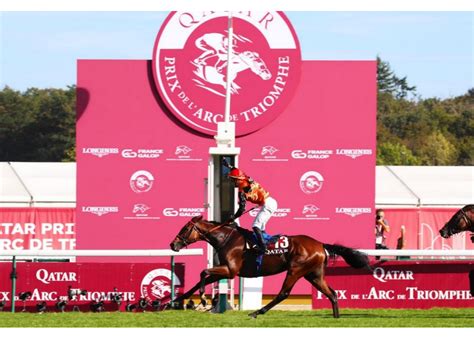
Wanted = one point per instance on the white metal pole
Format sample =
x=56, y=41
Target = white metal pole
x=229, y=65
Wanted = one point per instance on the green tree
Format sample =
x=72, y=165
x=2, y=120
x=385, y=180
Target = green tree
x=395, y=154
x=389, y=82
x=437, y=150
x=37, y=125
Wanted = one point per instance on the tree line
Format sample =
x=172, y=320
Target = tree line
x=39, y=124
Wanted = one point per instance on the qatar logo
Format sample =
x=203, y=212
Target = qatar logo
x=141, y=181
x=311, y=182
x=157, y=284
x=383, y=275
x=191, y=64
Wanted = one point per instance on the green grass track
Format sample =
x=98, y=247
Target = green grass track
x=436, y=317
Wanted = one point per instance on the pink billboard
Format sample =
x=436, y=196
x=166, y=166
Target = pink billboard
x=396, y=284
x=82, y=284
x=142, y=172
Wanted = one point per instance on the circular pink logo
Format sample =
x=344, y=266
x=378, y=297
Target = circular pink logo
x=156, y=284
x=190, y=63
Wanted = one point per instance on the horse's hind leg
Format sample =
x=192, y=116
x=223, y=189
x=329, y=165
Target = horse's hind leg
x=288, y=284
x=318, y=281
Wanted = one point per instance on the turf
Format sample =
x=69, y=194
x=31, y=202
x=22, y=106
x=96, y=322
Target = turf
x=437, y=317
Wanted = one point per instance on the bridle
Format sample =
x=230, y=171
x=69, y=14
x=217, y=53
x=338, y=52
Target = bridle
x=467, y=220
x=204, y=235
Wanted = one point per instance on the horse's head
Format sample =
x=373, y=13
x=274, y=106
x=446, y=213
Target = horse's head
x=256, y=64
x=190, y=233
x=461, y=221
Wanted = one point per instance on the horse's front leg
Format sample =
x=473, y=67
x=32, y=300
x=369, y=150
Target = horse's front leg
x=212, y=274
x=190, y=292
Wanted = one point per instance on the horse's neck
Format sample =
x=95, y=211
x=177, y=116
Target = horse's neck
x=216, y=238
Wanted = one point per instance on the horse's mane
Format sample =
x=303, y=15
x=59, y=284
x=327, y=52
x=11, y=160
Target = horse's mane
x=235, y=226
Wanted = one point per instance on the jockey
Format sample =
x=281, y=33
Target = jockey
x=213, y=44
x=250, y=190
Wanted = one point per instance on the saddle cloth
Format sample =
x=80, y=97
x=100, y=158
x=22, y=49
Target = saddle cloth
x=275, y=244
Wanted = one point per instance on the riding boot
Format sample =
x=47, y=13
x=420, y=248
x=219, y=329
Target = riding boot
x=260, y=242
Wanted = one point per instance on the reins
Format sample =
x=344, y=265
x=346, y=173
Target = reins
x=204, y=234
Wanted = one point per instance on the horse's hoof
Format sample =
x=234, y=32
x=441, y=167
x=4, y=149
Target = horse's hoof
x=253, y=315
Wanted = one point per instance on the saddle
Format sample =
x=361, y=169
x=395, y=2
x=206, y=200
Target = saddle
x=270, y=240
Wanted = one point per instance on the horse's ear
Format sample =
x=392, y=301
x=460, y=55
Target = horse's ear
x=197, y=218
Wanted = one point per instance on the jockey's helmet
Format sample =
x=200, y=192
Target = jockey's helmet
x=235, y=173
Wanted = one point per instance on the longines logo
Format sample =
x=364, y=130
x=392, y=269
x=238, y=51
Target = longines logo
x=353, y=211
x=100, y=210
x=190, y=62
x=100, y=152
x=353, y=153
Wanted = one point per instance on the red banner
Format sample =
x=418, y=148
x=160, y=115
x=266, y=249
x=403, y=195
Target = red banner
x=395, y=284
x=37, y=228
x=50, y=282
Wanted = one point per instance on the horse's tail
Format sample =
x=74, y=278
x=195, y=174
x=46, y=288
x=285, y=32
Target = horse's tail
x=353, y=257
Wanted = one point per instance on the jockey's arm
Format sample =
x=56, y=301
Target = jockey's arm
x=242, y=202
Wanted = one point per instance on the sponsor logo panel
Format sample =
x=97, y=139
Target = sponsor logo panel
x=141, y=181
x=183, y=211
x=353, y=211
x=353, y=153
x=311, y=182
x=310, y=212
x=100, y=210
x=269, y=153
x=141, y=211
x=183, y=153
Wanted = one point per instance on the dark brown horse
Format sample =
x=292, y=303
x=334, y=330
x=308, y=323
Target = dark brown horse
x=300, y=256
x=461, y=221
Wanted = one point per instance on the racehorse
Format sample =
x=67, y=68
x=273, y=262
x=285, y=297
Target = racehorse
x=240, y=62
x=461, y=221
x=305, y=258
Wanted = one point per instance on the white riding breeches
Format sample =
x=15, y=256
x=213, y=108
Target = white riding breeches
x=265, y=213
